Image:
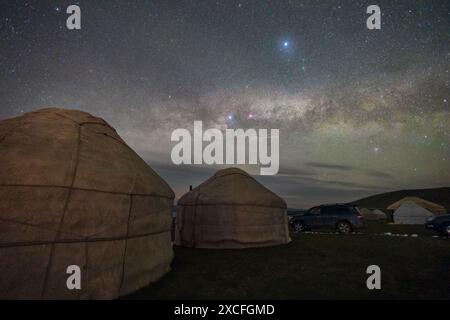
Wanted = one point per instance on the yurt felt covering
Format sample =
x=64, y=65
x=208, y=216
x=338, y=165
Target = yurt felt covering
x=231, y=210
x=73, y=193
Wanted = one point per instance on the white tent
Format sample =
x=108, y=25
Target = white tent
x=372, y=215
x=380, y=214
x=411, y=213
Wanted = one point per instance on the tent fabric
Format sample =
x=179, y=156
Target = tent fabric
x=372, y=214
x=411, y=213
x=231, y=210
x=73, y=193
x=380, y=214
x=430, y=206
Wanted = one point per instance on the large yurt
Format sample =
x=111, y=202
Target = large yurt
x=428, y=205
x=231, y=210
x=72, y=193
x=411, y=213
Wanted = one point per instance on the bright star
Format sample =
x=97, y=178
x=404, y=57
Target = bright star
x=286, y=46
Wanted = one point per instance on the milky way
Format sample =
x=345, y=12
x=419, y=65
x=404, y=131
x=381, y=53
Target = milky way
x=359, y=111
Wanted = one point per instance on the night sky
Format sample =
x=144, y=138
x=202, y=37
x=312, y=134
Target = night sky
x=359, y=111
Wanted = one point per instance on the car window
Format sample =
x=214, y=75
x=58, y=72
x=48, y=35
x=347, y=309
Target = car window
x=315, y=211
x=335, y=210
x=343, y=210
x=328, y=210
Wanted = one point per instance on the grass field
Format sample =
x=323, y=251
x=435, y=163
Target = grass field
x=313, y=266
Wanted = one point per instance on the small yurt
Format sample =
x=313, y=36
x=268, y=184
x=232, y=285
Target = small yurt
x=231, y=210
x=380, y=214
x=411, y=213
x=372, y=215
x=74, y=196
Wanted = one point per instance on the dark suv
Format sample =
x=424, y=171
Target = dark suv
x=440, y=224
x=344, y=218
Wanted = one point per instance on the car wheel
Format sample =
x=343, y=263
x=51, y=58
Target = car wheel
x=299, y=227
x=344, y=227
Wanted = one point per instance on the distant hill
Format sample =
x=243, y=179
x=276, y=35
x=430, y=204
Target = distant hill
x=292, y=211
x=437, y=195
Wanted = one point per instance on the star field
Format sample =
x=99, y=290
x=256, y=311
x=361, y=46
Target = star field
x=359, y=111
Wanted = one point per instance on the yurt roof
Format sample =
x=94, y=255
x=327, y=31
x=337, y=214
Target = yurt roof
x=431, y=206
x=232, y=186
x=73, y=149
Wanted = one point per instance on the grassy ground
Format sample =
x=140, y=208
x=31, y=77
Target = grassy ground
x=313, y=266
x=381, y=227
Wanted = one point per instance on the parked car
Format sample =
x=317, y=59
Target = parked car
x=344, y=218
x=294, y=212
x=440, y=224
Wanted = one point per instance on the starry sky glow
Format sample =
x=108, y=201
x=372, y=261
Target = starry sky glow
x=359, y=111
